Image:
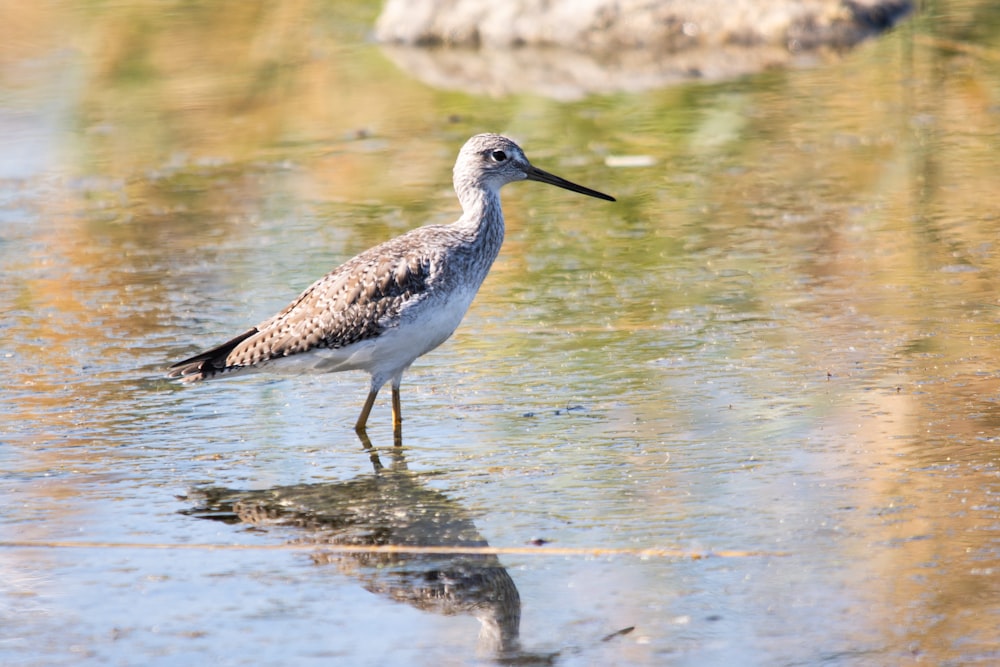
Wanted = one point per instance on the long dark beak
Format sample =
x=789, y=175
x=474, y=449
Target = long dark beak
x=536, y=174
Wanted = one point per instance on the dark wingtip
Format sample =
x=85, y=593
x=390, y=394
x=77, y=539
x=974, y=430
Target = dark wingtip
x=187, y=372
x=208, y=363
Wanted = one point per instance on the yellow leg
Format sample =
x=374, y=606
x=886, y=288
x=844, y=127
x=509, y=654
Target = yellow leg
x=397, y=417
x=361, y=426
x=397, y=413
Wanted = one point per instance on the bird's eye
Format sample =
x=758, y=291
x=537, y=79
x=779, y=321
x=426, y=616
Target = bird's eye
x=498, y=156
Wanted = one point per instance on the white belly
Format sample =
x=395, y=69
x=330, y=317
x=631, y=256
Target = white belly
x=421, y=328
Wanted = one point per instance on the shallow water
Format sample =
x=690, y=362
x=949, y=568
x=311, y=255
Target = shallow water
x=778, y=347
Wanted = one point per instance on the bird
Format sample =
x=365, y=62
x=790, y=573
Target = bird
x=381, y=310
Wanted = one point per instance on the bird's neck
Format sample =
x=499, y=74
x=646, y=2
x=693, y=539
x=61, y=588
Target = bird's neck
x=482, y=218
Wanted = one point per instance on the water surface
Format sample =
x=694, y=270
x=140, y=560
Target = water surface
x=779, y=345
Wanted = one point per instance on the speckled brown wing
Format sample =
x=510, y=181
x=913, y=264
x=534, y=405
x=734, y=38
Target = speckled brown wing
x=352, y=303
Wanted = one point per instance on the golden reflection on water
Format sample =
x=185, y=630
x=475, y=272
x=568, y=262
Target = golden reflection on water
x=817, y=243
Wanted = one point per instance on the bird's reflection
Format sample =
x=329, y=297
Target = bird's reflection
x=393, y=506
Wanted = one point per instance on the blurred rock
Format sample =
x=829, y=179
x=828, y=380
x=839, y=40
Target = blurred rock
x=566, y=49
x=606, y=26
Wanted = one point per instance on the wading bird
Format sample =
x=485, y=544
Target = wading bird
x=392, y=303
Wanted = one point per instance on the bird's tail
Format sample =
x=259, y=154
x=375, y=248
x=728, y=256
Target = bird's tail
x=208, y=364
